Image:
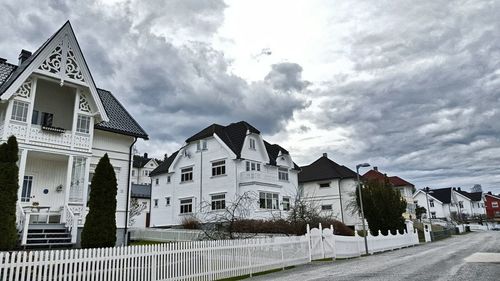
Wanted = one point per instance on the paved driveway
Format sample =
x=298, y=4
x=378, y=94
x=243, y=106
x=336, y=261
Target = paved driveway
x=443, y=260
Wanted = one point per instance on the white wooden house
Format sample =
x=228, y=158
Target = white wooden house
x=217, y=166
x=330, y=188
x=141, y=167
x=64, y=124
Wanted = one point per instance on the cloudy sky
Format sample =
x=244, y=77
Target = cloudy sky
x=409, y=86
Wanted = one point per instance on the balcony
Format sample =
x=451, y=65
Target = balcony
x=250, y=177
x=36, y=135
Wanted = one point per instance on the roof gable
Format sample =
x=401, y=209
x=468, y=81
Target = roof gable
x=165, y=165
x=60, y=57
x=325, y=169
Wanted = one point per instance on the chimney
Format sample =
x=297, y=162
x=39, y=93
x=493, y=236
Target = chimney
x=165, y=157
x=325, y=155
x=375, y=168
x=145, y=155
x=454, y=189
x=459, y=189
x=489, y=192
x=24, y=55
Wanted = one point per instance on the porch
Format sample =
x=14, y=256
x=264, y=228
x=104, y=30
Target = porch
x=52, y=197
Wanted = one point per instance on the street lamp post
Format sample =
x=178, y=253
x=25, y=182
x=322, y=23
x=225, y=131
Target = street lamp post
x=361, y=204
x=427, y=191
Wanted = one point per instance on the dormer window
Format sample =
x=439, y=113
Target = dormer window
x=201, y=145
x=252, y=144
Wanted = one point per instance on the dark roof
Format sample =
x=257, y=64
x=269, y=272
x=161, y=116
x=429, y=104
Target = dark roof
x=474, y=196
x=233, y=135
x=163, y=167
x=140, y=191
x=120, y=121
x=140, y=161
x=5, y=71
x=325, y=169
x=441, y=194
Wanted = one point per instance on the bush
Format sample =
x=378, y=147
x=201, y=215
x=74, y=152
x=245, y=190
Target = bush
x=100, y=224
x=190, y=223
x=9, y=185
x=281, y=226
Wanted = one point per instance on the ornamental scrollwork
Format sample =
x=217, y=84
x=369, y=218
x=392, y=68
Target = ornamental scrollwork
x=84, y=104
x=25, y=90
x=72, y=69
x=53, y=63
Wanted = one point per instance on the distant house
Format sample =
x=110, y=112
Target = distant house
x=448, y=203
x=140, y=198
x=142, y=166
x=64, y=124
x=217, y=166
x=406, y=189
x=331, y=188
x=492, y=206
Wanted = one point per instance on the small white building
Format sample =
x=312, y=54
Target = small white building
x=64, y=124
x=330, y=188
x=142, y=166
x=217, y=166
x=140, y=204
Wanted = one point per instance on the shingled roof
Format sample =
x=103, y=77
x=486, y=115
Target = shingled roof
x=120, y=121
x=163, y=167
x=441, y=194
x=325, y=169
x=474, y=196
x=396, y=181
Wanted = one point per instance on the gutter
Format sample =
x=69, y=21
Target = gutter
x=129, y=184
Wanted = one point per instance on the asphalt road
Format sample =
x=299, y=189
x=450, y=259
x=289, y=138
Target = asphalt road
x=442, y=260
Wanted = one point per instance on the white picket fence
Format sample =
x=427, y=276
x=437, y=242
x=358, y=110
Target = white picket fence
x=173, y=235
x=324, y=244
x=194, y=260
x=198, y=260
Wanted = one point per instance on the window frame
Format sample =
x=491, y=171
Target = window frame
x=83, y=120
x=285, y=202
x=187, y=174
x=186, y=207
x=25, y=191
x=252, y=144
x=268, y=202
x=323, y=183
x=494, y=204
x=155, y=203
x=252, y=166
x=431, y=203
x=167, y=201
x=283, y=174
x=218, y=204
x=218, y=168
x=327, y=207
x=20, y=110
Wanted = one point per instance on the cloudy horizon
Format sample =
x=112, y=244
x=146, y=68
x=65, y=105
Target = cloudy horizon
x=410, y=87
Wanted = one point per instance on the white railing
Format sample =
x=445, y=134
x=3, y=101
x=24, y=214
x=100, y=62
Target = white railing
x=36, y=135
x=199, y=260
x=247, y=176
x=22, y=223
x=324, y=244
x=71, y=223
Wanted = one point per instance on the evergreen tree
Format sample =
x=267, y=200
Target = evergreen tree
x=100, y=224
x=383, y=207
x=9, y=185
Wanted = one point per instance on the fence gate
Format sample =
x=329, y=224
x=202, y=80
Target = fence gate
x=317, y=251
x=328, y=243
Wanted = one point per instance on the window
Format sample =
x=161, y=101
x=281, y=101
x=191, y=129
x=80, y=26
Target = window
x=146, y=172
x=431, y=202
x=169, y=179
x=283, y=174
x=157, y=181
x=219, y=168
x=324, y=185
x=19, y=111
x=35, y=117
x=133, y=173
x=252, y=166
x=252, y=144
x=286, y=203
x=460, y=204
x=187, y=174
x=218, y=202
x=47, y=119
x=27, y=185
x=433, y=215
x=83, y=124
x=167, y=201
x=155, y=203
x=201, y=145
x=326, y=207
x=494, y=204
x=268, y=200
x=186, y=206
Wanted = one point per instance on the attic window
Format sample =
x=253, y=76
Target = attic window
x=201, y=145
x=252, y=144
x=324, y=185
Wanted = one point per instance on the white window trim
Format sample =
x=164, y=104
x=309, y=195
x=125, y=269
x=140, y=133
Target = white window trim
x=181, y=204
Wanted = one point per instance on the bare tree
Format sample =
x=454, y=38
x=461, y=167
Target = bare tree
x=476, y=188
x=135, y=210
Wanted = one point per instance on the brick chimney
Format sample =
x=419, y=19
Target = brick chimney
x=325, y=155
x=375, y=168
x=24, y=55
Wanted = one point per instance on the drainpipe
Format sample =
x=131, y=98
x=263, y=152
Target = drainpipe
x=340, y=197
x=201, y=175
x=125, y=234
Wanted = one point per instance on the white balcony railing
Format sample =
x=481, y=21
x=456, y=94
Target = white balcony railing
x=36, y=135
x=258, y=176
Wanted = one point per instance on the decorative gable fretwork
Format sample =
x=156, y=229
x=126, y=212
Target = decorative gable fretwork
x=84, y=105
x=25, y=90
x=62, y=62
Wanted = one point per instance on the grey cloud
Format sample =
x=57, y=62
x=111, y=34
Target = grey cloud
x=286, y=76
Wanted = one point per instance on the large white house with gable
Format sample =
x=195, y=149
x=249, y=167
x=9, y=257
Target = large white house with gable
x=217, y=166
x=64, y=124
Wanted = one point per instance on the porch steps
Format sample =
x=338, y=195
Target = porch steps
x=48, y=236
